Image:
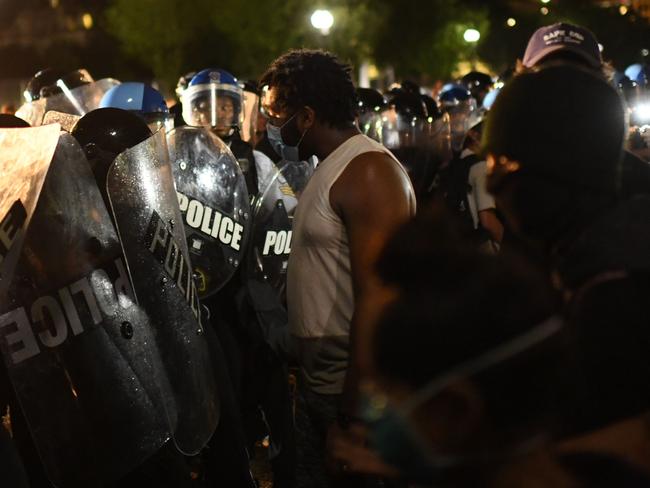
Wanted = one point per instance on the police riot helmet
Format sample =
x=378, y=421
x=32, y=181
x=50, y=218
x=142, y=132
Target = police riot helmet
x=370, y=100
x=478, y=84
x=213, y=99
x=407, y=104
x=105, y=133
x=457, y=101
x=437, y=128
x=50, y=81
x=453, y=94
x=370, y=105
x=410, y=86
x=433, y=109
x=141, y=99
x=403, y=120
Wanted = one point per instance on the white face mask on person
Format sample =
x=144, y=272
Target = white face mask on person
x=285, y=151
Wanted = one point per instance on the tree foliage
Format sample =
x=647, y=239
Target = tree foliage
x=418, y=38
x=426, y=36
x=173, y=37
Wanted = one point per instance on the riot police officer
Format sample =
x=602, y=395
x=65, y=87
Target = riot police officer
x=214, y=100
x=418, y=136
x=371, y=105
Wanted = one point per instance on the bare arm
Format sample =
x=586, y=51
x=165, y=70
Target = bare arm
x=372, y=196
x=490, y=222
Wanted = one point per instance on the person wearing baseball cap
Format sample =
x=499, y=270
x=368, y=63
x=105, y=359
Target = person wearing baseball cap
x=554, y=143
x=565, y=42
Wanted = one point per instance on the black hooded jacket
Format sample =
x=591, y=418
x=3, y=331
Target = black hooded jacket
x=606, y=279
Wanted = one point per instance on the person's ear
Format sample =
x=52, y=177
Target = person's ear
x=308, y=118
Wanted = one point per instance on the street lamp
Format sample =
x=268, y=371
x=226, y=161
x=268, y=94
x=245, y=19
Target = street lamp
x=323, y=20
x=471, y=35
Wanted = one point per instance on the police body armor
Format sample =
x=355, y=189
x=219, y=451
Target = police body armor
x=214, y=204
x=100, y=330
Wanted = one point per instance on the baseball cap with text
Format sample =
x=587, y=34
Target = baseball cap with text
x=562, y=37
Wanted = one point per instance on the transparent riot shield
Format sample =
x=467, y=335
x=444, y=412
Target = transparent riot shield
x=214, y=204
x=66, y=121
x=81, y=354
x=145, y=207
x=77, y=101
x=25, y=156
x=272, y=222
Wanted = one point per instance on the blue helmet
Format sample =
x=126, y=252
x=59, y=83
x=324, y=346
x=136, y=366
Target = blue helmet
x=453, y=94
x=213, y=99
x=463, y=112
x=141, y=99
x=633, y=70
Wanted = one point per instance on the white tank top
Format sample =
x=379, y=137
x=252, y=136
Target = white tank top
x=320, y=297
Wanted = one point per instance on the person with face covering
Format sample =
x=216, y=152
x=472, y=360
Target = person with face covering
x=358, y=194
x=472, y=369
x=554, y=165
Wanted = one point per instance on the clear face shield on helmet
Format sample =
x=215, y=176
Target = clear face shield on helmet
x=437, y=136
x=399, y=130
x=462, y=115
x=370, y=124
x=159, y=120
x=215, y=105
x=76, y=93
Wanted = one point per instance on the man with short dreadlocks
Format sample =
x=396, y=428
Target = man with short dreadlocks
x=358, y=194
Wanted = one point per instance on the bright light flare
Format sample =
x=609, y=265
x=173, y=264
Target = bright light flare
x=471, y=35
x=511, y=22
x=323, y=20
x=643, y=112
x=87, y=21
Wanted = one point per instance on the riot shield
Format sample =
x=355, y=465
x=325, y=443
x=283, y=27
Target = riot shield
x=214, y=204
x=145, y=207
x=66, y=121
x=77, y=101
x=25, y=155
x=80, y=352
x=272, y=223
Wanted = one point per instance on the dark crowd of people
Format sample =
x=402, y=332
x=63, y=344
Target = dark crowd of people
x=399, y=289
